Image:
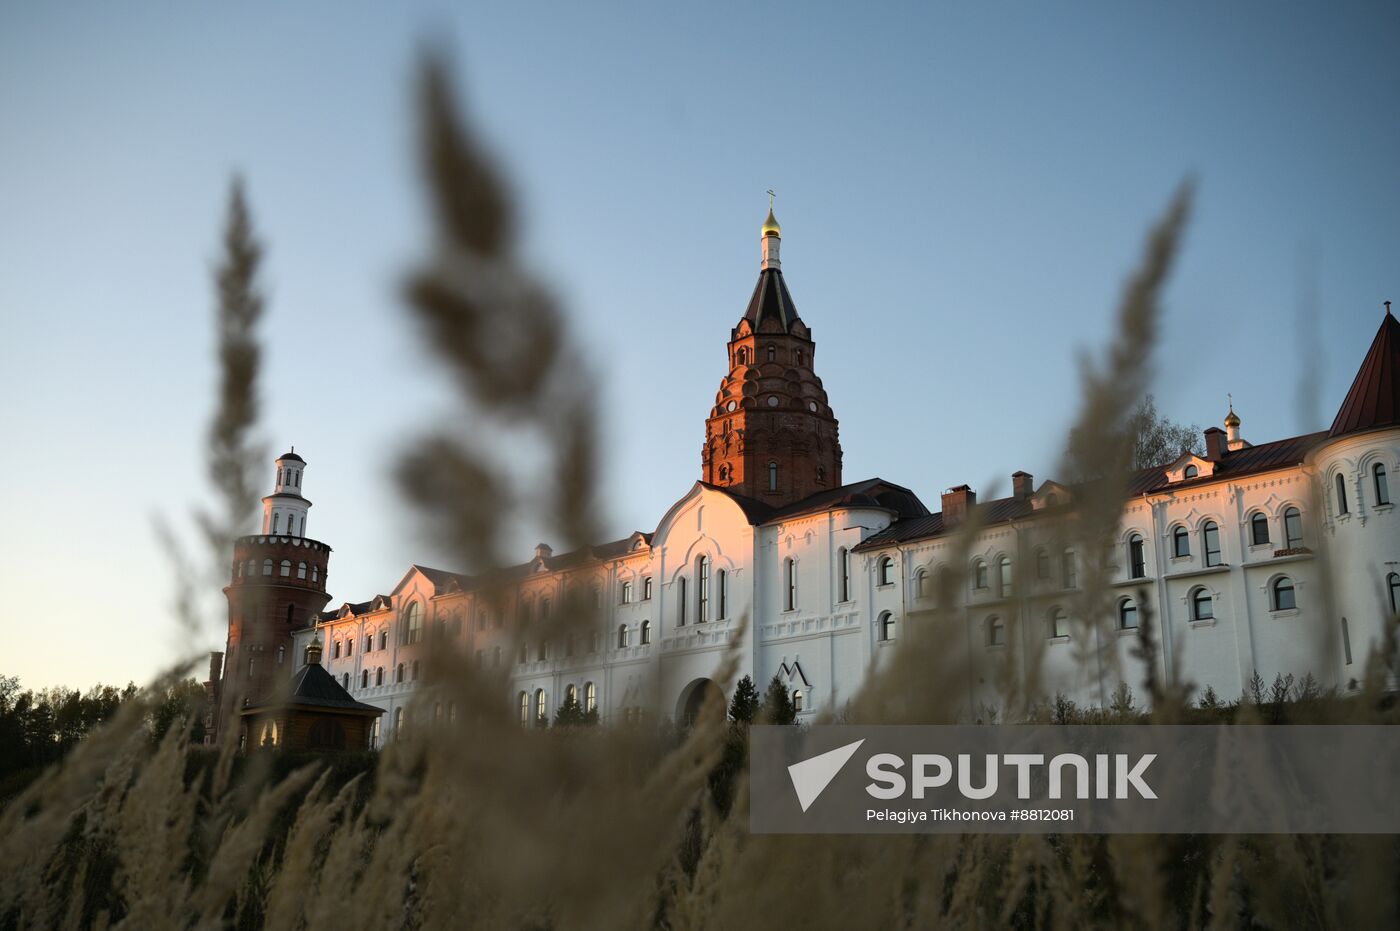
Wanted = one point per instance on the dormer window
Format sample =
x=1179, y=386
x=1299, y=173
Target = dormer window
x=1189, y=472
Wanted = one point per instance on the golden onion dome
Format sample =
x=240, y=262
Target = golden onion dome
x=770, y=225
x=1232, y=419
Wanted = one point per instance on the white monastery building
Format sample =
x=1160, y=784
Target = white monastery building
x=1275, y=558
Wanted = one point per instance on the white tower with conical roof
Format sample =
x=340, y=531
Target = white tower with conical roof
x=284, y=511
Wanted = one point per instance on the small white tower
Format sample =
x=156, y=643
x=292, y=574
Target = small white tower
x=284, y=511
x=772, y=239
x=1233, y=440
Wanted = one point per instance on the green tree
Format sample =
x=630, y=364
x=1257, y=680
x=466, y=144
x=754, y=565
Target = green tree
x=744, y=705
x=181, y=701
x=777, y=703
x=571, y=713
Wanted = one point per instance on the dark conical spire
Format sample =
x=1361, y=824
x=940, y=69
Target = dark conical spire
x=1374, y=398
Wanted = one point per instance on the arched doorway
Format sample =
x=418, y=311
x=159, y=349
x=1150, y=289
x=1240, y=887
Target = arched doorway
x=693, y=698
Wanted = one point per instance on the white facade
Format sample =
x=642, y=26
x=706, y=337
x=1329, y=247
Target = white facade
x=1245, y=559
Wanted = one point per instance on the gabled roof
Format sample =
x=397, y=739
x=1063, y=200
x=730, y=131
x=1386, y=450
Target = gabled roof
x=314, y=688
x=1374, y=398
x=1248, y=460
x=443, y=580
x=771, y=299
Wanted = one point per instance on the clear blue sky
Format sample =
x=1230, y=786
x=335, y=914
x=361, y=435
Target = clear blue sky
x=962, y=188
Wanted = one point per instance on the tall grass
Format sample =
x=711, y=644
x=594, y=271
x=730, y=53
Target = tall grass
x=477, y=822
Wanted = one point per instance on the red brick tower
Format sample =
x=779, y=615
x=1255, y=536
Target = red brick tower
x=277, y=585
x=771, y=434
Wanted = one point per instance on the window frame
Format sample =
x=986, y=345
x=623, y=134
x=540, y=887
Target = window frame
x=1292, y=515
x=1380, y=483
x=1127, y=608
x=1213, y=556
x=1200, y=598
x=1181, y=542
x=1277, y=587
x=1257, y=520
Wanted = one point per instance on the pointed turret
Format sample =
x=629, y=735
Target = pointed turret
x=771, y=434
x=1374, y=398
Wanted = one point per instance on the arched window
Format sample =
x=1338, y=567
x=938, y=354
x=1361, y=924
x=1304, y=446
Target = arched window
x=1069, y=569
x=1392, y=584
x=646, y=633
x=276, y=519
x=623, y=637
x=291, y=613
x=743, y=356
x=252, y=568
x=335, y=653
x=1340, y=494
x=1137, y=557
x=1210, y=542
x=798, y=701
x=346, y=681
x=627, y=593
x=590, y=697
x=646, y=588
x=1127, y=615
x=1004, y=584
x=384, y=639
x=413, y=623
x=267, y=567
x=1258, y=530
x=379, y=676
x=1181, y=542
x=843, y=572
x=790, y=583
x=286, y=568
x=546, y=609
x=772, y=354
x=1202, y=604
x=680, y=601
x=996, y=632
x=523, y=702
x=281, y=655
x=1293, y=528
x=722, y=591
x=1382, y=486
x=571, y=694
x=979, y=574
x=301, y=570
x=398, y=721
x=885, y=575
x=349, y=644
x=315, y=572
x=541, y=706
x=772, y=476
x=364, y=678
x=1190, y=472
x=301, y=526
x=885, y=627
x=1042, y=563
x=702, y=589
x=1059, y=624
x=1284, y=597
x=921, y=583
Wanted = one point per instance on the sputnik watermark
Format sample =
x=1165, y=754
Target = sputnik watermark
x=1114, y=779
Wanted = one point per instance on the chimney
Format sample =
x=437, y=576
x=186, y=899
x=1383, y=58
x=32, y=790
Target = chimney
x=1022, y=484
x=216, y=663
x=1215, y=443
x=543, y=551
x=957, y=502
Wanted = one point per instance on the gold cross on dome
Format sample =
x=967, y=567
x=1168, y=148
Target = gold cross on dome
x=770, y=207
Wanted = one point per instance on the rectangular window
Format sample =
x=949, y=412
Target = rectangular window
x=722, y=581
x=844, y=557
x=1212, y=545
x=791, y=568
x=680, y=601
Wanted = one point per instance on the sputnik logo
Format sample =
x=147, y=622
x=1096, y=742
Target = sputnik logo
x=811, y=777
